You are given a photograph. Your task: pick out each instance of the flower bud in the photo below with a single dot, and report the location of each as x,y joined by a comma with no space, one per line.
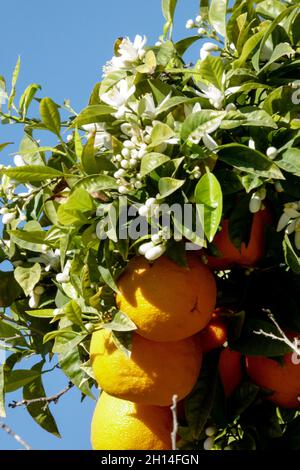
272,152
145,247
150,202
255,203
123,189
8,218
210,431
198,19
144,211
19,161
201,31
34,301
208,443
210,47
38,290
190,24
153,253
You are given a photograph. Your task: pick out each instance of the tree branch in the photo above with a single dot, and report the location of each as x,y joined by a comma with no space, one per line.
175,423
15,436
47,400
294,345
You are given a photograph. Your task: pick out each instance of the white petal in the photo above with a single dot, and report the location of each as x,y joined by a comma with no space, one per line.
209,142
154,253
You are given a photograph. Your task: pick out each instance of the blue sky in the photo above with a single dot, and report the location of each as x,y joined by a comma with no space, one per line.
63,45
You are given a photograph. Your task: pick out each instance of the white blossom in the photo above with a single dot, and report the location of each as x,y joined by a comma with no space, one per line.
118,97
64,276
212,93
19,161
102,138
50,259
129,53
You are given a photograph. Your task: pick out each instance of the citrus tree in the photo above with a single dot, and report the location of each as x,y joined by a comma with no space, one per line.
108,280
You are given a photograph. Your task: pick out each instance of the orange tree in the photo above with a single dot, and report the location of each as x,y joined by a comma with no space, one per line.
220,136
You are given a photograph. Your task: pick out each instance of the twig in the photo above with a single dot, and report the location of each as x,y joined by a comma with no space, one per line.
294,345
47,400
19,439
175,422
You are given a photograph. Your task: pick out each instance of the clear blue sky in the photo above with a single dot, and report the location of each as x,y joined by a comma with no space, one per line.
63,45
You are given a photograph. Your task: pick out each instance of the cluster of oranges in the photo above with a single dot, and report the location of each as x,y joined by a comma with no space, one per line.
173,308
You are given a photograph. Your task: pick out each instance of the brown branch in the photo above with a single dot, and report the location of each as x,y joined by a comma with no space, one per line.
47,400
15,436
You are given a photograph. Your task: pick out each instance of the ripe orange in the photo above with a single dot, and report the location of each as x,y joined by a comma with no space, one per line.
230,370
283,379
152,375
248,255
123,425
167,302
214,334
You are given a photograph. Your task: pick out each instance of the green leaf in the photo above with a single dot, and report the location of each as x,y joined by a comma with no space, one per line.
50,115
173,102
291,258
41,313
16,379
242,398
27,278
120,322
108,278
70,363
73,312
290,161
2,146
77,208
96,183
200,122
149,64
211,69
168,186
88,159
209,193
182,46
29,240
31,173
92,114
199,403
160,133
258,118
14,80
9,289
280,50
39,411
270,9
27,98
30,150
204,8
168,9
217,16
250,45
249,160
2,395
151,161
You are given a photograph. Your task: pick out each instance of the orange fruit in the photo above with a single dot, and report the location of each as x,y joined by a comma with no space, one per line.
282,379
248,255
167,302
123,425
214,334
152,375
230,370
